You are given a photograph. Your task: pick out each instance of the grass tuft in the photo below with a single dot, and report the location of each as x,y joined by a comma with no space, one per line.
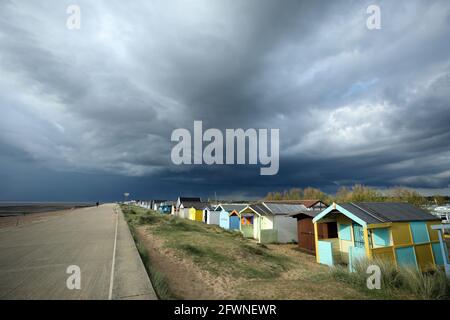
147,219
158,280
254,250
189,249
430,285
396,281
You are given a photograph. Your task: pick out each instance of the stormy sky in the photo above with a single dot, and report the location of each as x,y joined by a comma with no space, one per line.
88,114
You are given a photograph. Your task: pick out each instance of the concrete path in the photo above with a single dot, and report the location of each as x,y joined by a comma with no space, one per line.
34,258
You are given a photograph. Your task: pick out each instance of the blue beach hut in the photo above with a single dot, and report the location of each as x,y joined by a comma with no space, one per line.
229,215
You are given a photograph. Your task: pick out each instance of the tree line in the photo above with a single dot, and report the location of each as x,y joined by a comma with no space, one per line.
359,193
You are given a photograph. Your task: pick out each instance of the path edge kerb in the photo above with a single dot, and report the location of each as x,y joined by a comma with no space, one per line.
131,279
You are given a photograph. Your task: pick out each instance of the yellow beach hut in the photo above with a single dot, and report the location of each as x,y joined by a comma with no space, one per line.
393,231
183,204
196,211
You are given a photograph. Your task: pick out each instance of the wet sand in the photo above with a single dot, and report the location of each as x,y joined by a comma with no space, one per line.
21,208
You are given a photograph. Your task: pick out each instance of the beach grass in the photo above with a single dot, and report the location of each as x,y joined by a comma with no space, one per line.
396,282
211,247
261,271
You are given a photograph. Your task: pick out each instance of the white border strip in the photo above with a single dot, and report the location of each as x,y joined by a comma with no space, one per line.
111,280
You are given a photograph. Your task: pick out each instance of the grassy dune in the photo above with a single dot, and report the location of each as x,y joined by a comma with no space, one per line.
211,247
191,260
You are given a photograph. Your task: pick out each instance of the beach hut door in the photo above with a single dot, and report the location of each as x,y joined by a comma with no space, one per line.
255,227
358,235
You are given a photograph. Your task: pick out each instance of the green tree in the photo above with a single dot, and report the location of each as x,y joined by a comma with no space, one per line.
294,194
406,195
277,196
343,194
313,193
269,196
362,193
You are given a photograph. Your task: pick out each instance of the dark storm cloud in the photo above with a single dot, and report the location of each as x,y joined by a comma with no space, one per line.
100,103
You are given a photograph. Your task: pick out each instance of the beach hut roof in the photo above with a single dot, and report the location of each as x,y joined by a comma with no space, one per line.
196,205
190,199
307,203
308,213
379,212
284,208
260,209
310,203
207,206
232,206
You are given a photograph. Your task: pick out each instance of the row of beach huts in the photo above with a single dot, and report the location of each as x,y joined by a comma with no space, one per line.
336,234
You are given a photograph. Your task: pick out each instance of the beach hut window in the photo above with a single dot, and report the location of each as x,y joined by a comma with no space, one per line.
437,253
381,237
345,232
358,235
247,220
419,232
406,257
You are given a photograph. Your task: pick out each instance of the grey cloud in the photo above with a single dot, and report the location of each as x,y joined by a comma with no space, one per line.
352,105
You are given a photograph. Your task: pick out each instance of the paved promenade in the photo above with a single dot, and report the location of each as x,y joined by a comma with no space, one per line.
34,258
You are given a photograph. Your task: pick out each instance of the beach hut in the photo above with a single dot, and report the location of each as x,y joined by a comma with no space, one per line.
183,212
182,206
305,226
314,204
257,223
283,223
229,215
234,220
224,221
210,215
191,215
250,219
165,207
155,204
180,200
393,231
270,222
305,230
196,210
441,229
143,204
